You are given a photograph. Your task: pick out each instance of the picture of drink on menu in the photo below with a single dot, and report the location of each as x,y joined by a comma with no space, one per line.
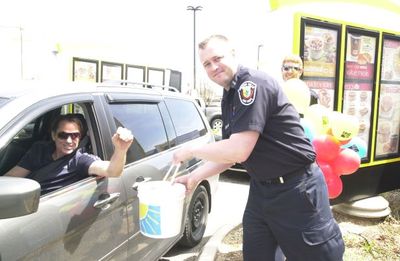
360,48
320,59
320,46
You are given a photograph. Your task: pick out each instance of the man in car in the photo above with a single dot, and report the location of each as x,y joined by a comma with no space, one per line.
288,202
60,162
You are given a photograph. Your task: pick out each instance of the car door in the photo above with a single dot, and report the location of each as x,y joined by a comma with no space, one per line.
84,221
148,159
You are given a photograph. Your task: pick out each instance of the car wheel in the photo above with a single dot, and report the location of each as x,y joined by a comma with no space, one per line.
196,219
216,125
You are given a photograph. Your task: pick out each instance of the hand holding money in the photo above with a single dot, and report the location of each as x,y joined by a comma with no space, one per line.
124,134
122,139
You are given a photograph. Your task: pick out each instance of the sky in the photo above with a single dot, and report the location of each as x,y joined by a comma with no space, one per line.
154,32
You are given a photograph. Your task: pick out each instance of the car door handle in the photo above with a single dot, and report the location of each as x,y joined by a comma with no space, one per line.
139,180
105,203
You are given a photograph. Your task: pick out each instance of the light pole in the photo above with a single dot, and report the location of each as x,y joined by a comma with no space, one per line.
194,9
258,54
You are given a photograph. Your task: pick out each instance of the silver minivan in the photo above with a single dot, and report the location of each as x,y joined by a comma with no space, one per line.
97,219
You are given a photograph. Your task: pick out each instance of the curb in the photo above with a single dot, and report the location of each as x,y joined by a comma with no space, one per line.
210,249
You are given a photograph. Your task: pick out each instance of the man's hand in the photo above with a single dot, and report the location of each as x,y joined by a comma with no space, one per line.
188,180
122,139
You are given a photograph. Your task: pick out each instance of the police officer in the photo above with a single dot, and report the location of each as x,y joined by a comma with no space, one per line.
288,202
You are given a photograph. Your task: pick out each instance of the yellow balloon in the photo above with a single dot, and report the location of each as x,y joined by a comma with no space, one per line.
298,94
319,118
344,127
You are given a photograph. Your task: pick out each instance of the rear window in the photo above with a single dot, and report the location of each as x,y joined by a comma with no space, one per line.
146,124
186,119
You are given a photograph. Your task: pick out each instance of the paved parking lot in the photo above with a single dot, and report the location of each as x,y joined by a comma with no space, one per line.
227,208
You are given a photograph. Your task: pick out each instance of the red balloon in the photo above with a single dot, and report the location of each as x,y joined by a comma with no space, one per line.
325,168
333,182
347,162
326,147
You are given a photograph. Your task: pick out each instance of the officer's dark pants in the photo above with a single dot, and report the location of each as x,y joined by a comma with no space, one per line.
294,215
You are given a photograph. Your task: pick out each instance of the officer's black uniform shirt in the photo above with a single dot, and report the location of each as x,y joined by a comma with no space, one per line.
256,102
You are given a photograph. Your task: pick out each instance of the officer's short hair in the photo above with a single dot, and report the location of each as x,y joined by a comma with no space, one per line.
203,44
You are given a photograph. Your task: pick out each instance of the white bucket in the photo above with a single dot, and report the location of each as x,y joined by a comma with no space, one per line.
160,208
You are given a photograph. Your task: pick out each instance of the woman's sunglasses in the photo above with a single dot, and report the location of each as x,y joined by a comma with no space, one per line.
64,135
287,68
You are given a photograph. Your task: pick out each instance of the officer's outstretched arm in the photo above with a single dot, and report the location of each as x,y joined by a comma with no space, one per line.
235,149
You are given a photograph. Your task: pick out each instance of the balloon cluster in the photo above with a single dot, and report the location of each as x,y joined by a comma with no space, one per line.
333,134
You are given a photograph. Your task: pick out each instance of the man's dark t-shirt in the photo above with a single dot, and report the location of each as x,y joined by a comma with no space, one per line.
66,171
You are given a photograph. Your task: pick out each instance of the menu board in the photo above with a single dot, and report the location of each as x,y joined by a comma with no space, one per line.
359,79
320,60
387,142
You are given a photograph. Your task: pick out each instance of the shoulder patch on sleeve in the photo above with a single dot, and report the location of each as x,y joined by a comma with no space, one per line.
247,92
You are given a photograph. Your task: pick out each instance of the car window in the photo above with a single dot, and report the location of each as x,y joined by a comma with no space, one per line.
38,130
26,132
186,118
169,127
146,124
19,145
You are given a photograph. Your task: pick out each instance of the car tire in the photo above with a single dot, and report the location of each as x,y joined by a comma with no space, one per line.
216,124
196,219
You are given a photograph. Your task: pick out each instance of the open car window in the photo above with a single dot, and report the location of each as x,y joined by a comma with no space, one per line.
39,130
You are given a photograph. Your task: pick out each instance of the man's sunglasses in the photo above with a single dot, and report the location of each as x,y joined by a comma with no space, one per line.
64,135
287,68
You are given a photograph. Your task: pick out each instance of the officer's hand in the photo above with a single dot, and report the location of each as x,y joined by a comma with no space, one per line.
188,180
182,155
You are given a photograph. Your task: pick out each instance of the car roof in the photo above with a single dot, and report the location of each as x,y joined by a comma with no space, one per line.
17,94
19,88
47,88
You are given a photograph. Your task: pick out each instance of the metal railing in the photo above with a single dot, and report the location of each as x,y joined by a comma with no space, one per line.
129,84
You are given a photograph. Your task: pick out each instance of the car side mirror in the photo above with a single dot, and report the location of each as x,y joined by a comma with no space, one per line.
18,197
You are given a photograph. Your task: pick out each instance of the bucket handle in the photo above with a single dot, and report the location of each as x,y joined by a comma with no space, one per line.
170,170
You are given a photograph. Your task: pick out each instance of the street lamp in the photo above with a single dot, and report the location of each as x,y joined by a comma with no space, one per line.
194,9
258,54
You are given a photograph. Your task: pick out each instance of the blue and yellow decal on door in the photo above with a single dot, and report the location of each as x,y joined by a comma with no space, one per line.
150,219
